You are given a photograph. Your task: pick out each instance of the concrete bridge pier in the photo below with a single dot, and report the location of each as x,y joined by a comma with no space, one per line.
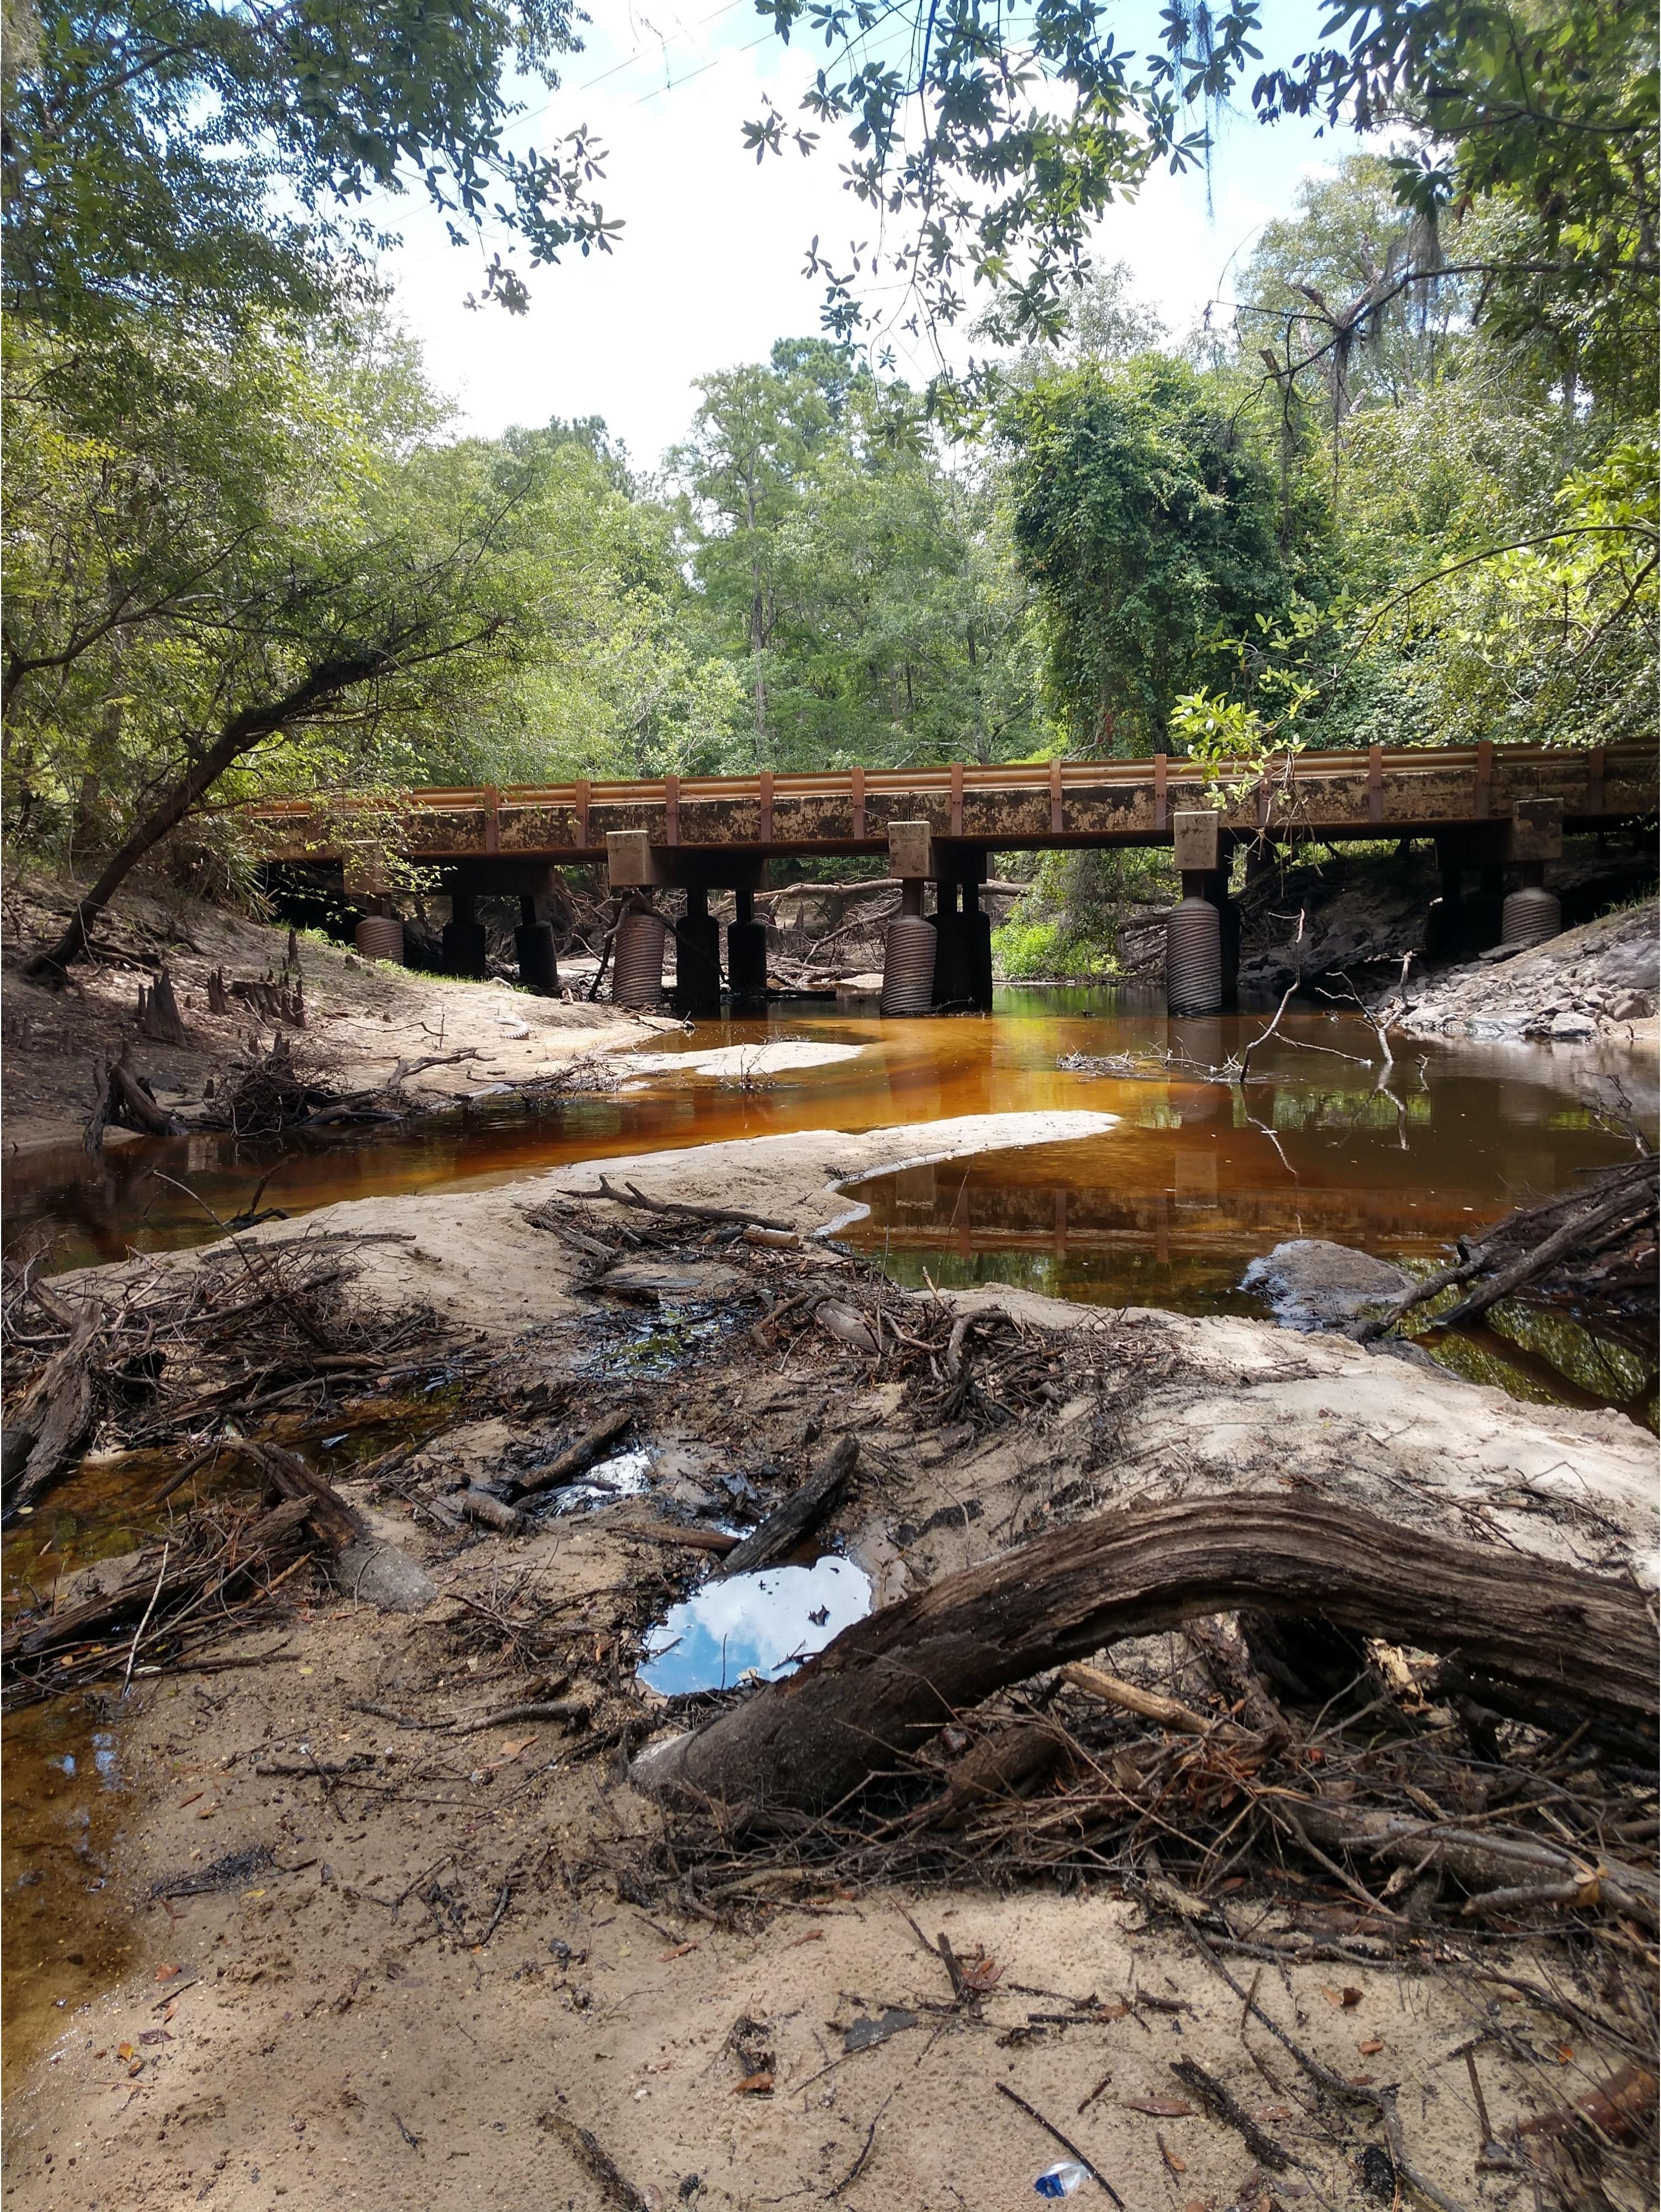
698,959
747,953
533,941
1531,914
963,964
1445,924
952,981
466,946
912,946
634,864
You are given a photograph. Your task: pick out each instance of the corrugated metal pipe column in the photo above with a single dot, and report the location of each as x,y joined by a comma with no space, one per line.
380,937
908,955
1193,951
638,979
1531,914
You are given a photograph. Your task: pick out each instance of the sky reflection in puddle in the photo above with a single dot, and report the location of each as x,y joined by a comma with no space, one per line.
755,1624
625,1476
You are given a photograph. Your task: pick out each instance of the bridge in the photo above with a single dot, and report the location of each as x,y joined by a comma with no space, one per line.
1489,808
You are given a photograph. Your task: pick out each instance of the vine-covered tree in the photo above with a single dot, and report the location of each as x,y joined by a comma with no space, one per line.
1151,530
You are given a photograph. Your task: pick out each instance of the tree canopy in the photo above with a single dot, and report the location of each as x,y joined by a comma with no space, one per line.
1402,487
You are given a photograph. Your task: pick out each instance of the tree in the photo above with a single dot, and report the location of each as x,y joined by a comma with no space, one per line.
988,141
236,589
864,590
1149,529
1494,552
190,157
755,431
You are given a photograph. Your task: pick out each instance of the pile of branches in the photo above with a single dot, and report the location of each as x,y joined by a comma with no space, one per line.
1590,1253
163,1359
985,1369
1347,1808
1305,1772
220,1571
266,1093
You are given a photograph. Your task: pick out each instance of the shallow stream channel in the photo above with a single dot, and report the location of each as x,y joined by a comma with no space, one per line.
1168,1207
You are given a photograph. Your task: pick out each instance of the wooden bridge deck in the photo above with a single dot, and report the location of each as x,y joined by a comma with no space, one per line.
697,821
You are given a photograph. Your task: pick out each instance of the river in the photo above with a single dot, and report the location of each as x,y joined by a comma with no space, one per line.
1197,1179
1166,1209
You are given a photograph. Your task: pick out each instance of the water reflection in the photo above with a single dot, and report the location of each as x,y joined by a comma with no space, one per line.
66,1930
626,1475
752,1625
1325,1145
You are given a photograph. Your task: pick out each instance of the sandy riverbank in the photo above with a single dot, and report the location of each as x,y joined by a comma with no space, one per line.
363,1018
458,1940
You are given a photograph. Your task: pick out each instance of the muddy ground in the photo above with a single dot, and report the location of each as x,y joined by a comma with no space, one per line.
363,1018
387,1983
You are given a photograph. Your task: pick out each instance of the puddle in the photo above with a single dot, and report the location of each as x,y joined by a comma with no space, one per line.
66,1928
660,1342
756,1625
625,1476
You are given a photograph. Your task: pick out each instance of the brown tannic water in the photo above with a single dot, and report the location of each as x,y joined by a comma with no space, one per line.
1166,1209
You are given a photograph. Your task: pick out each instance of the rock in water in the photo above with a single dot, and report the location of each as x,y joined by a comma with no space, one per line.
1311,1284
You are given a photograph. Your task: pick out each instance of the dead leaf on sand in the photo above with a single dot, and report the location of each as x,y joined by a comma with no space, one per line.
1160,2108
753,2085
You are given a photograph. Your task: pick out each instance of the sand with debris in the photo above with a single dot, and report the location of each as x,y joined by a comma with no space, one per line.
417,1967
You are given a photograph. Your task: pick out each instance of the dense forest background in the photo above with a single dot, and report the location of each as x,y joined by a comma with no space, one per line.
1400,489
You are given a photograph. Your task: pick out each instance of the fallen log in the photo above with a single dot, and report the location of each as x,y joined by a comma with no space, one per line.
574,1458
800,1514
479,1505
55,1414
693,1540
888,1682
335,1521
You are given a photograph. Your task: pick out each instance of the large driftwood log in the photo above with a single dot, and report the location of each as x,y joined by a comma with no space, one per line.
887,1683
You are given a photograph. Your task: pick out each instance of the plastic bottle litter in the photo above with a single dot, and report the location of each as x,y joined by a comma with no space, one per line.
1063,2178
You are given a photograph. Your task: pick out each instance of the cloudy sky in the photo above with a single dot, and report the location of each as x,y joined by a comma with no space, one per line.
709,270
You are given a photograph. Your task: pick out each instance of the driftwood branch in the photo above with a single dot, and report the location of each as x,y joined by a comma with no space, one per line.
631,1194
575,1457
1526,1245
888,1683
801,1514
